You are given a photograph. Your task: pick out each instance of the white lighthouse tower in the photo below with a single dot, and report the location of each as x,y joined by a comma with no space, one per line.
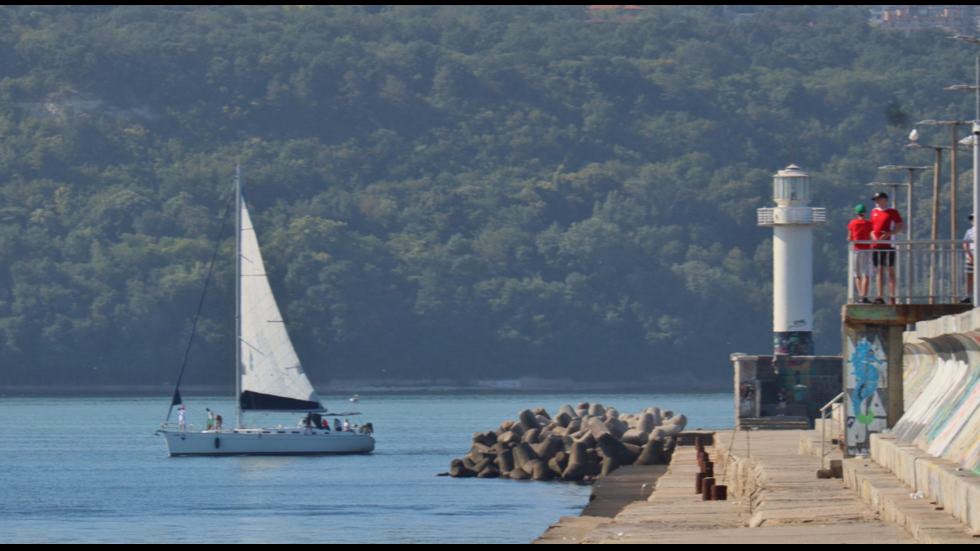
792,221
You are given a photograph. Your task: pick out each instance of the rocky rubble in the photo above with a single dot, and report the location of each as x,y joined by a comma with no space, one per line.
578,444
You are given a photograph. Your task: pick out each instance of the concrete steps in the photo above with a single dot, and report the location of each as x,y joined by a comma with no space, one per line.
890,498
774,423
943,482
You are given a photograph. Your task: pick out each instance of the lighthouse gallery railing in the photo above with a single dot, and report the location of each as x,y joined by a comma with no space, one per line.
927,272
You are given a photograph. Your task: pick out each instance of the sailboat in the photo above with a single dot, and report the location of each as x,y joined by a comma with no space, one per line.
268,373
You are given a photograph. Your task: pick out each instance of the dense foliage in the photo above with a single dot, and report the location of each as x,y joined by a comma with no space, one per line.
441,191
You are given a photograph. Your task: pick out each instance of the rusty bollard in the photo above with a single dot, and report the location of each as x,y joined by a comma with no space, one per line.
706,485
698,444
719,493
709,470
699,480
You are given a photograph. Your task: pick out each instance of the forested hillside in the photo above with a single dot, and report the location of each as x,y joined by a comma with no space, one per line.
440,191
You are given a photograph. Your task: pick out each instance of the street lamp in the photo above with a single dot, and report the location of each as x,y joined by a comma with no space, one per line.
937,176
976,150
953,165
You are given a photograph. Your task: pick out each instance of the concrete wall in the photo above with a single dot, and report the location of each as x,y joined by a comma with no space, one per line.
758,380
874,361
942,389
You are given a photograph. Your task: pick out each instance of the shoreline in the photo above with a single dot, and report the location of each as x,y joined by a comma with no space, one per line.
147,391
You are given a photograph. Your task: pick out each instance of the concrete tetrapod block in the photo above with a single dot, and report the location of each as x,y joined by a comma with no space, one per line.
540,470
489,472
574,426
596,410
645,423
482,465
569,410
578,464
541,412
458,470
670,444
532,436
563,419
658,417
529,421
679,421
652,454
597,428
505,462
616,427
636,437
519,474
614,449
524,453
612,413
609,465
547,449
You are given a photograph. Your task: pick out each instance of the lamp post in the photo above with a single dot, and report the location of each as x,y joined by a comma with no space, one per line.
976,149
935,197
953,164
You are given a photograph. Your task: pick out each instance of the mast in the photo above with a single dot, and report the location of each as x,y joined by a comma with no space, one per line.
238,296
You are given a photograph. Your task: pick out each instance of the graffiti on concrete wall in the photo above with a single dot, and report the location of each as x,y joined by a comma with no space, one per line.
794,343
866,365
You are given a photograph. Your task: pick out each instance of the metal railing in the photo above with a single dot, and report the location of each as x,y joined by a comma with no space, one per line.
926,272
838,401
792,216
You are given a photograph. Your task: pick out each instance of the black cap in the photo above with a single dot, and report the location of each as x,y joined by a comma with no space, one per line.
880,195
970,218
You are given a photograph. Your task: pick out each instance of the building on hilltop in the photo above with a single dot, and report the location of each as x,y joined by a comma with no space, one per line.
912,18
613,14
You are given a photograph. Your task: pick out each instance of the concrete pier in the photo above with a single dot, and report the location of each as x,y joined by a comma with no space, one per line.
775,497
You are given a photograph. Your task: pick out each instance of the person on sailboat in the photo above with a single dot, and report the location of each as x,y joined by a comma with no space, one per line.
210,418
336,425
347,425
217,423
182,418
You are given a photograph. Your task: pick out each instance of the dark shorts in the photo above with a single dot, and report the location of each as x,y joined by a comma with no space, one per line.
884,258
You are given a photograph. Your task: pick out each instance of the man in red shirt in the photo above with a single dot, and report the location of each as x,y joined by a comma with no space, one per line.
886,223
860,229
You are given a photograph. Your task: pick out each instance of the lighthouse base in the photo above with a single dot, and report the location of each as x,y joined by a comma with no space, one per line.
793,343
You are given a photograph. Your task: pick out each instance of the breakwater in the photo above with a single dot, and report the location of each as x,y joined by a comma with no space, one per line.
578,444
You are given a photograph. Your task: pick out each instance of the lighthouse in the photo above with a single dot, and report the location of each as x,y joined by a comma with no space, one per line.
792,221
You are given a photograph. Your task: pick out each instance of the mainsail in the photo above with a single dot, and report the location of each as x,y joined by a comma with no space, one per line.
272,377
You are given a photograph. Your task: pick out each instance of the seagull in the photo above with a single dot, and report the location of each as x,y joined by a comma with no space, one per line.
914,136
967,140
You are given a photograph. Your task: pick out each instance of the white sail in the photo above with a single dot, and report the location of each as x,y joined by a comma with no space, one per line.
272,376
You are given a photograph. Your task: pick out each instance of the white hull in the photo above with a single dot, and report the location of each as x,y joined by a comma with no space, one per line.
267,442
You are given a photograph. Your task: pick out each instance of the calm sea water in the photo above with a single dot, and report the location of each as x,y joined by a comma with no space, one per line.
91,470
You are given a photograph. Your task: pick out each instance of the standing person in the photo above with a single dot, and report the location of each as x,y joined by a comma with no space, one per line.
217,423
886,223
336,425
182,418
210,418
346,425
971,251
860,229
